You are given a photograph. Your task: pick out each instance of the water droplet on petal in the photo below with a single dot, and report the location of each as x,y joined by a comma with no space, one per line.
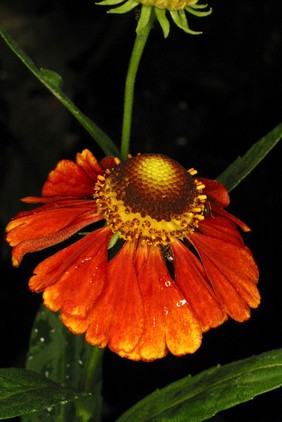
86,259
181,303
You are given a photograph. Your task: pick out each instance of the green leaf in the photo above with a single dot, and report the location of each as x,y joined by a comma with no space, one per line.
242,166
23,392
68,360
200,397
52,81
51,77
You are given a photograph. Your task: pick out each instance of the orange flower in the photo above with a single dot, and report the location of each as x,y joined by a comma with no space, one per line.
181,266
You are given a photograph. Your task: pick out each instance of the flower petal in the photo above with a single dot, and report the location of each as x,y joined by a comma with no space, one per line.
108,163
192,282
220,211
169,322
73,278
215,192
48,225
117,318
73,179
221,228
232,273
89,164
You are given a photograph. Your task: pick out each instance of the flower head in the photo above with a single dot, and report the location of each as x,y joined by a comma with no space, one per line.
157,9
181,268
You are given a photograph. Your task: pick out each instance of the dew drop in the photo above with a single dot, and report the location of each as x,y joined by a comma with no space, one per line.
80,362
181,303
86,259
167,283
42,339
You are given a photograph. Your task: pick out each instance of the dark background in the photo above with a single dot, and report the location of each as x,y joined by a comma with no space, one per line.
203,100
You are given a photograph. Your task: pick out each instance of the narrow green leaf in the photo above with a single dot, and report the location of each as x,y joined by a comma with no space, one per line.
68,360
198,398
51,77
23,392
242,166
52,81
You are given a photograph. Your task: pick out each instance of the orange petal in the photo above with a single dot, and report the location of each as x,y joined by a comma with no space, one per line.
169,322
232,273
117,318
89,164
73,179
73,278
215,192
231,217
48,225
192,282
108,162
221,228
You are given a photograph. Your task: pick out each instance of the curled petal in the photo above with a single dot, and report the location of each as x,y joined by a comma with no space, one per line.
216,192
192,282
48,225
118,317
87,162
73,179
232,273
169,323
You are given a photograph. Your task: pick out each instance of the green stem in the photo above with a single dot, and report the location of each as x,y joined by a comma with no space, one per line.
89,408
140,42
93,370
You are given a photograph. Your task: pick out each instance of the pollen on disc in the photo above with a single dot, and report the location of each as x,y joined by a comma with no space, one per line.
154,185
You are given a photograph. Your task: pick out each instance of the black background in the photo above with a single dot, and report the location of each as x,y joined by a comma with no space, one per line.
203,100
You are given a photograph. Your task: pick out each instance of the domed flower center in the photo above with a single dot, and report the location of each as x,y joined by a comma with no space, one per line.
169,4
151,197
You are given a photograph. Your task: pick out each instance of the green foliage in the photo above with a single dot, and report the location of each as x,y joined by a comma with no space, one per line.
53,82
198,398
242,166
52,77
62,379
23,392
69,361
